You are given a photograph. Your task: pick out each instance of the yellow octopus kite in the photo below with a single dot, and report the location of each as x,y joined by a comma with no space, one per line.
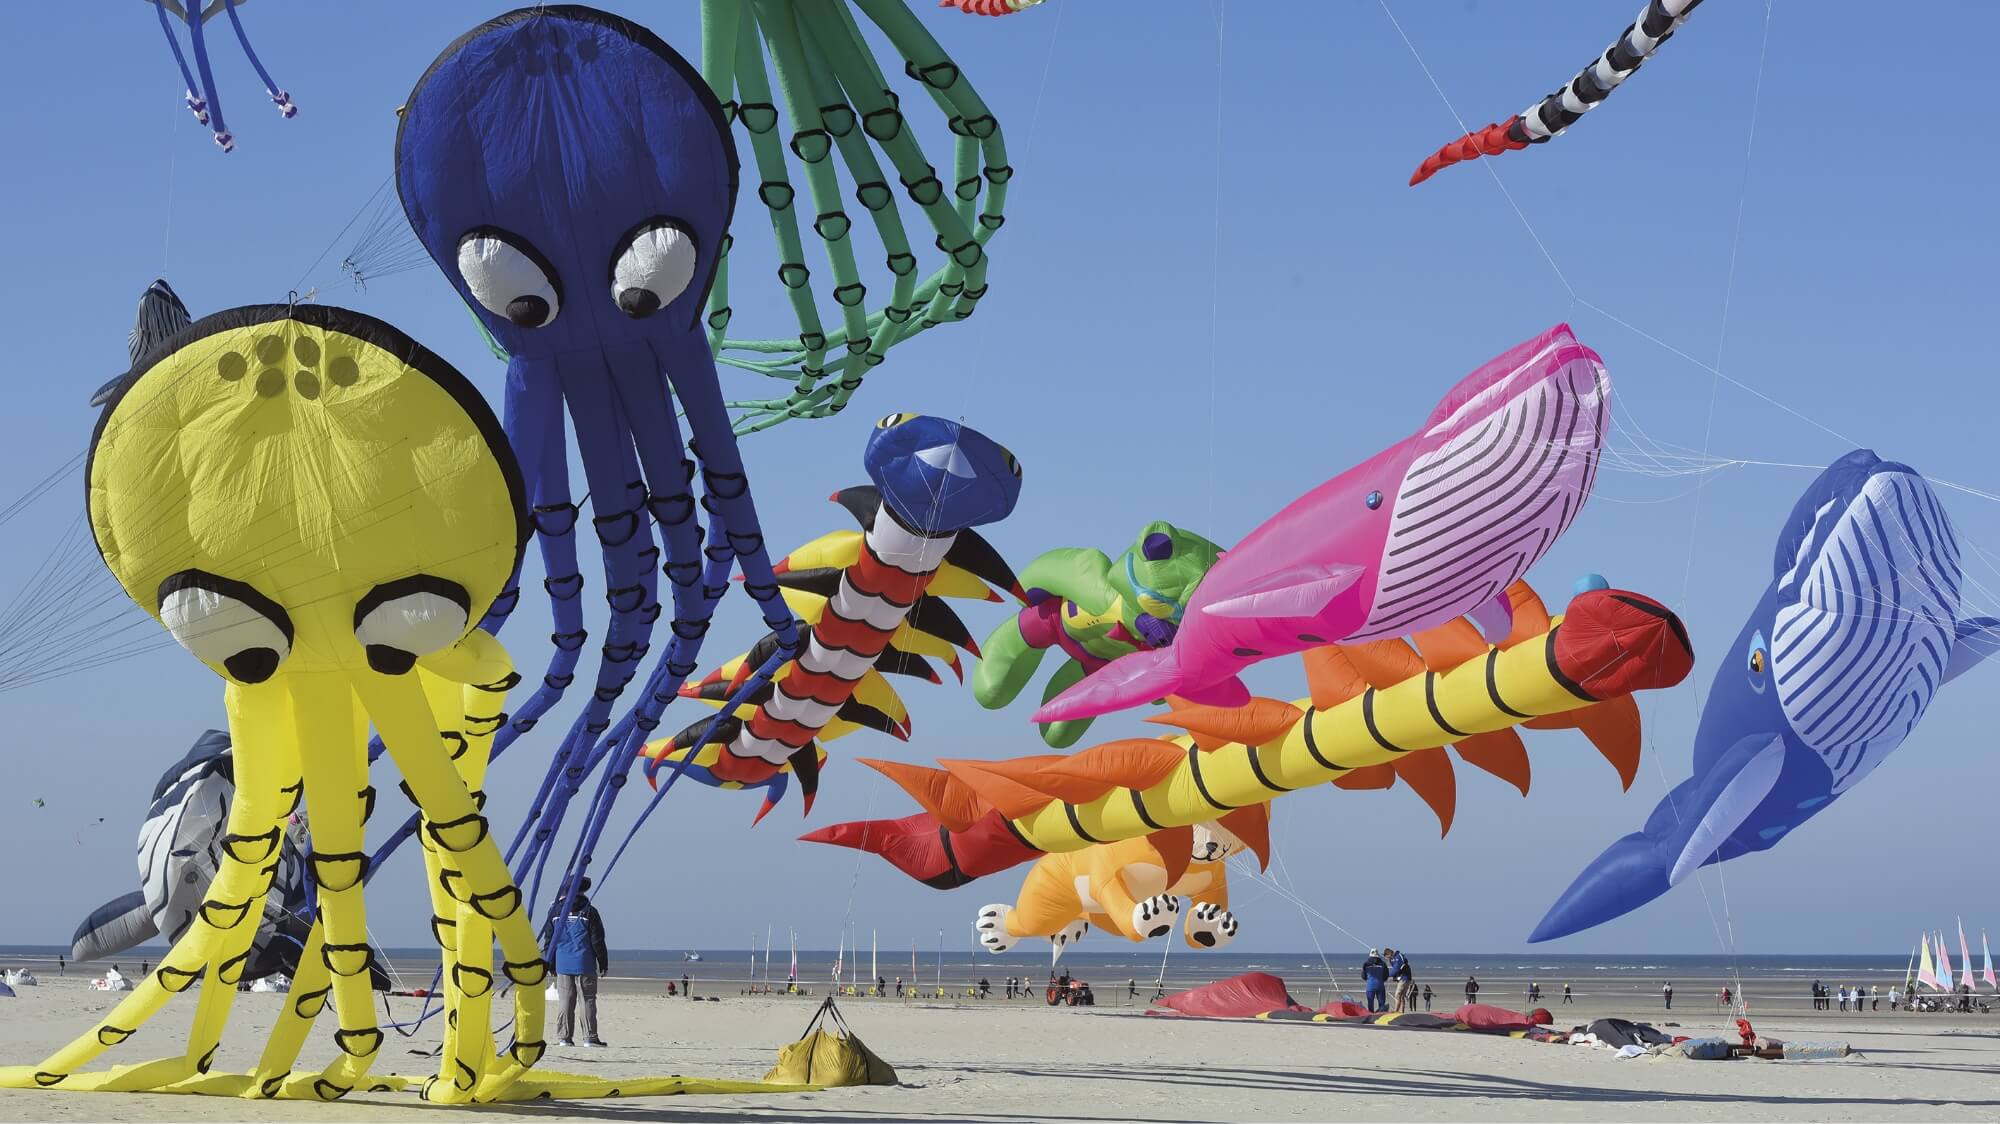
320,509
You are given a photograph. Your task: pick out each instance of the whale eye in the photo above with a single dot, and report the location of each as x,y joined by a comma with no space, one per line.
1758,660
1013,466
227,624
1373,500
509,277
398,621
654,265
894,420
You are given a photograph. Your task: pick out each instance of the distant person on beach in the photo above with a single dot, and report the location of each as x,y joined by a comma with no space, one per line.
899,986
145,966
1725,995
1132,989
1427,997
581,956
1818,994
1895,996
1667,992
1375,979
1471,989
985,988
1566,995
62,965
1534,993
1874,999
687,985
881,986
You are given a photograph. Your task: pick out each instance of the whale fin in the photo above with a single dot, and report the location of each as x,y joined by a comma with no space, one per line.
1684,831
1128,681
1978,639
1733,805
1294,594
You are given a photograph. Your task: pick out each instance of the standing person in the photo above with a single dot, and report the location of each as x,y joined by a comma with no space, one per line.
881,986
1895,996
1427,997
1725,996
1471,989
1874,999
1667,991
62,965
687,985
1566,994
581,956
1404,980
985,988
1534,992
145,968
899,987
1375,979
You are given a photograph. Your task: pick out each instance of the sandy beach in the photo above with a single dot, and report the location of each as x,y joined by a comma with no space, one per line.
996,1061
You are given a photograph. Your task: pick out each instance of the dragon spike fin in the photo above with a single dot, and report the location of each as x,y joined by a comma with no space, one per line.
763,811
1331,678
805,763
1385,663
972,553
1003,784
1612,726
1367,777
1429,773
1253,826
957,669
1135,763
1455,642
947,798
1499,753
1176,848
1531,617
861,501
1254,723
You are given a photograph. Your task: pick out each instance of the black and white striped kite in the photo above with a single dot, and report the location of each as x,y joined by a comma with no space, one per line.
1550,116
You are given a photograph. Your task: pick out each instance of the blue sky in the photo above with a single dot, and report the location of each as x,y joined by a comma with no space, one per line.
1213,292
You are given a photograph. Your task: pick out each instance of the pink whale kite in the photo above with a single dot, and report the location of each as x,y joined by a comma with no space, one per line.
1436,526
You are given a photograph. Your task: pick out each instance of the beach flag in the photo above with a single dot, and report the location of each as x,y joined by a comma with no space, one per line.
1926,968
1944,965
1986,954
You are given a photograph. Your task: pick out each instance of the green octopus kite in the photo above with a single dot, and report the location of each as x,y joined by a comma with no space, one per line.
1095,609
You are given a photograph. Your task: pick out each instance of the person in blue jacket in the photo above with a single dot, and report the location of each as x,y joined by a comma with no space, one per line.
580,958
1375,975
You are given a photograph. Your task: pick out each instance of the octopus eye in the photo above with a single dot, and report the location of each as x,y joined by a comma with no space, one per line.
509,277
226,624
399,621
654,265
891,421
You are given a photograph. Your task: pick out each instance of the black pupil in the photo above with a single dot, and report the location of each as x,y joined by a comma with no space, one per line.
528,312
252,665
638,302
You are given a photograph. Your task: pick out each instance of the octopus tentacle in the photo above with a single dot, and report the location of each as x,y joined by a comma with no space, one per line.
471,869
332,749
216,942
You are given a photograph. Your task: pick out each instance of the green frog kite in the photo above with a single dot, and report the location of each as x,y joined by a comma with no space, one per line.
1095,609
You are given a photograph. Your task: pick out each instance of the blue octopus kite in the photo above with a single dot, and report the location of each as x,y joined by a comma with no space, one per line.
574,178
202,99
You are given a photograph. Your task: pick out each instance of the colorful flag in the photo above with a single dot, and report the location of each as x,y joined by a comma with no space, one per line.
1986,954
1926,968
1965,975
1945,980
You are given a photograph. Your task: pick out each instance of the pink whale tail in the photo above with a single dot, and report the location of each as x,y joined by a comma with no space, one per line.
1135,680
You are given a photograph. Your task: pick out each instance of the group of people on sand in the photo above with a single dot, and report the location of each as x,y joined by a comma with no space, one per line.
1386,970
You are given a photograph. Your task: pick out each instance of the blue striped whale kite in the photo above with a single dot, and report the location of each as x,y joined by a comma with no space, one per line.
1833,670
